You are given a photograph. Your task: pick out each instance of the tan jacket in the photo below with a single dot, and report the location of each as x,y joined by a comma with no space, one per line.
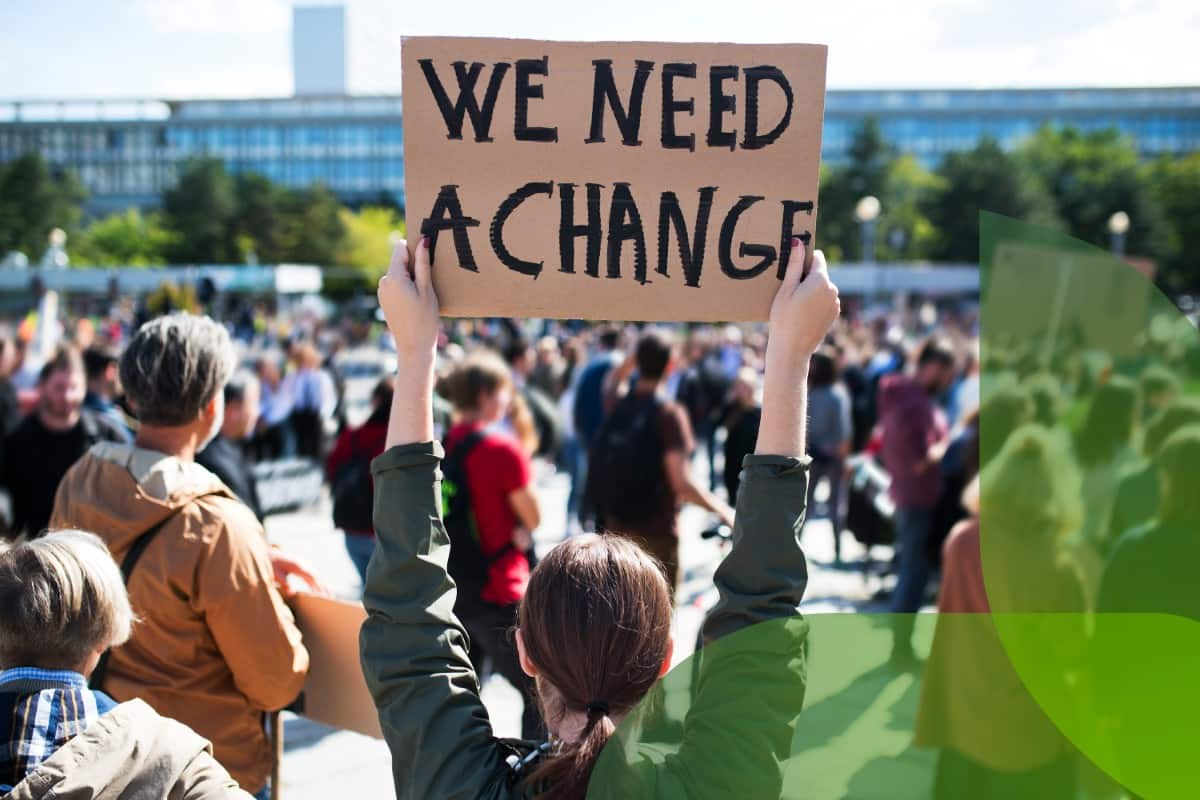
131,752
216,645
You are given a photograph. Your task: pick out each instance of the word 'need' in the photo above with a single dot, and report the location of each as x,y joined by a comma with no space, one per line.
625,109
624,226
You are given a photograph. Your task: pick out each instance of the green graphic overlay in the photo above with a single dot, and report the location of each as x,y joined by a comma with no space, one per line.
1077,678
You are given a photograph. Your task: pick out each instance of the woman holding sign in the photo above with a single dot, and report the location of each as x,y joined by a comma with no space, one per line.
594,624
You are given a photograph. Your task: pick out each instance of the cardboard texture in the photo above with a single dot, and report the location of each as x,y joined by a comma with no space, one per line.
570,180
335,692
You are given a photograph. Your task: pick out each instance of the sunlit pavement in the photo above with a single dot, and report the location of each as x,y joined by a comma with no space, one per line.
320,762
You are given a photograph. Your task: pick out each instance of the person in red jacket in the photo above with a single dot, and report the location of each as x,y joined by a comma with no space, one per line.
353,453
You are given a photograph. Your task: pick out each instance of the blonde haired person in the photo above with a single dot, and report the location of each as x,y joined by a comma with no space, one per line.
64,605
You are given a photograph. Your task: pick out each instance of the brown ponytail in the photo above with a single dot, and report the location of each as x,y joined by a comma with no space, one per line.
596,622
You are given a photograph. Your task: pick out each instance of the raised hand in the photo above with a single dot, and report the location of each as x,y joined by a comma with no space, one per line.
805,307
411,310
409,304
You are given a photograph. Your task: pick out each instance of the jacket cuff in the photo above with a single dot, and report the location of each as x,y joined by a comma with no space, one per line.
776,466
406,456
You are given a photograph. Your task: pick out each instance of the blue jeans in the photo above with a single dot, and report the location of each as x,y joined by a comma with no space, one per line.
360,547
912,535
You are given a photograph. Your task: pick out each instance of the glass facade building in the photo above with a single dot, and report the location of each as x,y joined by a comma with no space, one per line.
128,152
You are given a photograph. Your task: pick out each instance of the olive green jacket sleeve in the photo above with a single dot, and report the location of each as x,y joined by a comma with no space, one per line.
413,648
765,574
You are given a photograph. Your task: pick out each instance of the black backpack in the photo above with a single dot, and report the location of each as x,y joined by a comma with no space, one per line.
625,479
468,566
353,492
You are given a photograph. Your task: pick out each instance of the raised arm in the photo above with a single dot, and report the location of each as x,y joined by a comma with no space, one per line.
765,573
414,650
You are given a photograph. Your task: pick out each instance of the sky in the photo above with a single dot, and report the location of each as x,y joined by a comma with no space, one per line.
242,48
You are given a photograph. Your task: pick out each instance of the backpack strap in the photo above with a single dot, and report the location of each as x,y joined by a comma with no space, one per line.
458,458
132,556
463,449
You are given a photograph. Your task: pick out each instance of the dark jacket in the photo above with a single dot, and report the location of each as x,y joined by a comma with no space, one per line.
415,652
228,461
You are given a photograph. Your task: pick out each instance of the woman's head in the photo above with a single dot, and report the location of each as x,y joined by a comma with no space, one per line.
480,386
1110,421
1176,461
1031,487
64,602
594,630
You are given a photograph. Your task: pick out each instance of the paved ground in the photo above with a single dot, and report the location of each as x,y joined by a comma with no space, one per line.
321,762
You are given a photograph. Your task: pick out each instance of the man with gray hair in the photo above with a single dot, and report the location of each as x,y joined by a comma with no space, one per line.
218,646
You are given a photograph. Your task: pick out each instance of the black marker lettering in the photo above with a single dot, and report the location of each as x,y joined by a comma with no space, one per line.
691,254
719,104
467,104
568,231
765,252
619,231
496,234
752,140
604,88
447,215
526,91
670,106
790,209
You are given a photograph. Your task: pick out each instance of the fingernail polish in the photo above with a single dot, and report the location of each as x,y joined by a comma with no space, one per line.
425,242
795,241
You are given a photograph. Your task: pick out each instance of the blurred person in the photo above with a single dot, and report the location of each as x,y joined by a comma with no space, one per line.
587,415
995,739
547,435
38,453
103,386
1104,447
226,456
1158,386
10,405
314,401
594,626
829,439
741,422
638,474
348,470
1139,488
910,425
1152,567
275,437
65,605
496,473
548,369
219,646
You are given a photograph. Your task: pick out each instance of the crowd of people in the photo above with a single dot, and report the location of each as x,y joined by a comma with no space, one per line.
146,437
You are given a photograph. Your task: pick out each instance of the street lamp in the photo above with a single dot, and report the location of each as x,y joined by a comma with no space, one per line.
1118,226
866,212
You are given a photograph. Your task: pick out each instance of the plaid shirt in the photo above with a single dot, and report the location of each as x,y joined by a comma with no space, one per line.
41,710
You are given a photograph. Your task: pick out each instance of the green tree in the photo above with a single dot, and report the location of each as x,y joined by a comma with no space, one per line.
128,238
1093,174
35,199
866,173
983,178
202,209
1177,186
313,231
261,222
367,246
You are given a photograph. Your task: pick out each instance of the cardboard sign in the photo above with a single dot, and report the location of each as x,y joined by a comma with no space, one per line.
639,181
335,692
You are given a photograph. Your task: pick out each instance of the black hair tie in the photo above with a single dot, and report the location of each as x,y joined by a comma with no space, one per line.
597,708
